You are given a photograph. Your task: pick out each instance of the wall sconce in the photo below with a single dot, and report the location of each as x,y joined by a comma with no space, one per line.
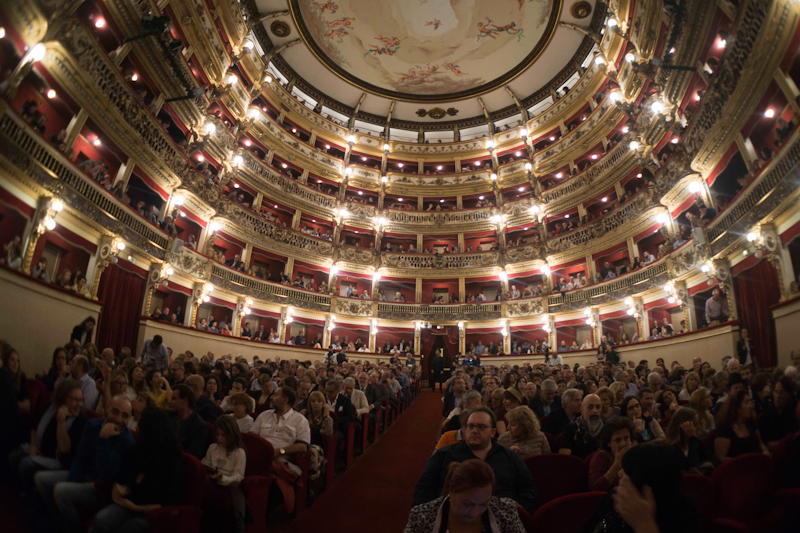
504,329
374,329
546,320
376,276
490,145
351,139
289,318
460,325
48,220
203,294
332,322
523,133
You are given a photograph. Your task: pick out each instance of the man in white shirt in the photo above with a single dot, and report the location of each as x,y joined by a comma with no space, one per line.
286,429
357,397
515,292
79,368
154,350
555,359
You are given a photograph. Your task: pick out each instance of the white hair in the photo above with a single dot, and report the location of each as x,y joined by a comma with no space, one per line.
790,371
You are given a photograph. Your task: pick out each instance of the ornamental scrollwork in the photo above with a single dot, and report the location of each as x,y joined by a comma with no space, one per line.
190,263
355,255
354,308
524,308
530,252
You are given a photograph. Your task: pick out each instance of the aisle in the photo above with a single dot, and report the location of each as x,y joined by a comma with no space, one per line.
376,493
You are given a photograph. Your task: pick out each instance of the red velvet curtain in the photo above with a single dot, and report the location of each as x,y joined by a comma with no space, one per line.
757,289
122,294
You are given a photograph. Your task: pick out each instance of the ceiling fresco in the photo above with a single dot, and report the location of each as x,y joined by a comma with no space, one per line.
427,50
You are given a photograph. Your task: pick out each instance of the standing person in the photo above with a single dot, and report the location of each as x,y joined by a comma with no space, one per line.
83,332
744,347
225,462
154,350
437,367
155,478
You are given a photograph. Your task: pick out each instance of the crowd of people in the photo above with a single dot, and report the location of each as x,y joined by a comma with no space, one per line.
628,422
67,280
124,418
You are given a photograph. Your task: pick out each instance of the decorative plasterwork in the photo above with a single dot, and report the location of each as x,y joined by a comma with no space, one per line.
198,27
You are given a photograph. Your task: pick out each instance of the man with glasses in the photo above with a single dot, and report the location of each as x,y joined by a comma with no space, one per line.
513,478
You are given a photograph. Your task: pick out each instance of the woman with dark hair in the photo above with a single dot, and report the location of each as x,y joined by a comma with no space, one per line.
682,434
646,429
466,504
160,390
649,497
737,433
156,478
668,401
511,399
780,420
11,363
139,404
213,388
59,369
136,379
761,388
56,436
615,439
83,332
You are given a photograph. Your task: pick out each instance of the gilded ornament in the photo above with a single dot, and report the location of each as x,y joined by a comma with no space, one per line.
280,29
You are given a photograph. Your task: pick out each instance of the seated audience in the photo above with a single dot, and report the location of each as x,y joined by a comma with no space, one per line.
615,440
225,462
557,421
524,435
321,426
467,503
579,438
701,401
241,407
682,434
154,479
513,478
646,428
12,364
160,390
737,433
204,406
192,431
780,420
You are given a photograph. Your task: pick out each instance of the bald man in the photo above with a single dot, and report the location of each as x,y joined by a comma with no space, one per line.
580,436
203,406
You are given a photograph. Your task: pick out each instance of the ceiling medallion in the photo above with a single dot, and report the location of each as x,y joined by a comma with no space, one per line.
437,112
581,10
280,29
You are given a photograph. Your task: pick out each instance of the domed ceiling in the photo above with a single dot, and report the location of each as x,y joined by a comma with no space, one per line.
426,50
403,56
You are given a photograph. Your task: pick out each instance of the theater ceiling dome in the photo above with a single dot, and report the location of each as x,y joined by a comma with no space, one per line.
419,52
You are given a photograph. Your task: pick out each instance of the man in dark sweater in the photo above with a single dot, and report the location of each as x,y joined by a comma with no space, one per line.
192,431
571,407
513,478
203,406
102,454
580,436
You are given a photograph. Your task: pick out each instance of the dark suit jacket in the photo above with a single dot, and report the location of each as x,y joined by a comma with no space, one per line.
376,395
77,333
206,408
742,351
192,434
449,402
438,364
556,422
537,405
344,410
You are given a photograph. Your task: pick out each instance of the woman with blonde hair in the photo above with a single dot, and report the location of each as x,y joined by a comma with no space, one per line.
701,401
691,384
524,436
607,409
311,374
321,424
618,390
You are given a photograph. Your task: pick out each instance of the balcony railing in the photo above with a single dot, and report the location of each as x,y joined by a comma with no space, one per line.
417,261
51,170
448,312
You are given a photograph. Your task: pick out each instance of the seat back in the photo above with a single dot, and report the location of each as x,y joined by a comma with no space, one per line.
551,440
195,475
36,394
700,489
556,475
212,434
567,514
743,486
259,455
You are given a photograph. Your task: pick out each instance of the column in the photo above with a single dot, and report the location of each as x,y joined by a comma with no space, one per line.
552,338
326,333
420,242
248,251
789,89
462,338
74,128
747,150
257,202
506,337
418,291
633,250
620,190
195,300
420,203
373,335
303,177
591,271
332,280
597,327
722,273
642,320
296,219
283,322
689,313
460,202
239,316
375,286
34,229
461,239
105,256
417,341
124,173
462,290
289,267
581,212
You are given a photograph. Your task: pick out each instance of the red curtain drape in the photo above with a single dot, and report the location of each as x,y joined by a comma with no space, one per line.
757,289
122,294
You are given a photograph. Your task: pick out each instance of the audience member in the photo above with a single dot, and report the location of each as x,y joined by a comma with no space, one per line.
191,430
614,441
225,463
524,435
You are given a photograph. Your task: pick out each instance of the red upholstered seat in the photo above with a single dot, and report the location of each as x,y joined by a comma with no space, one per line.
556,475
185,518
566,514
742,487
780,458
700,490
91,414
551,440
37,394
212,435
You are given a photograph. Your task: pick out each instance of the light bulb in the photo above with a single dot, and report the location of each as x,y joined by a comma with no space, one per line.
493,177
351,139
496,218
671,299
656,106
170,271
235,185
384,179
178,200
534,209
247,310
100,23
97,142
629,301
625,129
200,158
630,312
705,268
489,144
214,227
528,167
38,51
57,205
587,312
769,113
439,167
599,61
552,138
51,94
634,145
232,79
249,44
238,160
615,96
120,246
612,22
49,223
503,276
247,142
661,218
751,237
566,216
559,175
267,80
211,128
460,325
545,269
2,32
604,199
343,212
630,57
385,147
383,221
523,133
134,77
694,187
206,298
334,270
521,189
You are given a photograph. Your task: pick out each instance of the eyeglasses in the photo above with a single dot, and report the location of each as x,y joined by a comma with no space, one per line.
479,427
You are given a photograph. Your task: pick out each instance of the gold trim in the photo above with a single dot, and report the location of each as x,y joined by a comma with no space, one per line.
506,78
